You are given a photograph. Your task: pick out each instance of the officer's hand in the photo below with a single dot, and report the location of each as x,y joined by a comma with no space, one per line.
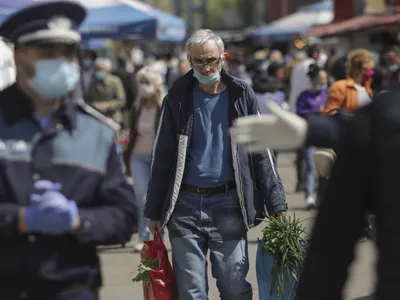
43,185
281,130
154,226
51,213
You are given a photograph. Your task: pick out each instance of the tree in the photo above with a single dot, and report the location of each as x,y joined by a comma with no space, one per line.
217,7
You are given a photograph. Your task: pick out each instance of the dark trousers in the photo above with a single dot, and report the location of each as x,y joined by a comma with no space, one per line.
299,162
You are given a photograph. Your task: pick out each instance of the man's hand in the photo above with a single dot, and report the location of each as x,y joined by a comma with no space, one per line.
279,214
154,226
281,130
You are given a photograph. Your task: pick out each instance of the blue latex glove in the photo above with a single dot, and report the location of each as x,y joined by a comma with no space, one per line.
50,213
46,185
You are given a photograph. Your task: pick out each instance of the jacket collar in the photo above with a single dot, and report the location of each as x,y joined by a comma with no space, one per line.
351,83
17,106
234,85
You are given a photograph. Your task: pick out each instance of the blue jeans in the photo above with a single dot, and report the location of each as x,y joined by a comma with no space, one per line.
140,168
310,170
209,223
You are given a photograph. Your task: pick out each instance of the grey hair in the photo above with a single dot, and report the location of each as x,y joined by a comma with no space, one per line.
202,36
102,61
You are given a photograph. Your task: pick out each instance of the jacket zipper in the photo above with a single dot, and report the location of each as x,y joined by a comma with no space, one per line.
240,189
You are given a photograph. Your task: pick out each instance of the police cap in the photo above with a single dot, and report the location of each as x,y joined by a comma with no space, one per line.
49,22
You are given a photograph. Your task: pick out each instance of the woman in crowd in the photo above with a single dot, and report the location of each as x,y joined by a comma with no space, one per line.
143,127
311,102
355,91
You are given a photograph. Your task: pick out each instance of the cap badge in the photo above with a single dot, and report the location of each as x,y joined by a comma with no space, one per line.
59,23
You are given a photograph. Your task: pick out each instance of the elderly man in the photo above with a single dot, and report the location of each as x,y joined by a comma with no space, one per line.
106,91
207,191
62,190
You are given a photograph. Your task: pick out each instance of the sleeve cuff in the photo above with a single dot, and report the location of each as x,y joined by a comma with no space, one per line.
280,207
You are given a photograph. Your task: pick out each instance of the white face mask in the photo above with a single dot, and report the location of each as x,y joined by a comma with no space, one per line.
209,79
146,90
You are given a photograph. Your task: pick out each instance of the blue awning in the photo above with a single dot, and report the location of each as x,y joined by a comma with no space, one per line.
113,19
7,7
116,19
324,5
285,28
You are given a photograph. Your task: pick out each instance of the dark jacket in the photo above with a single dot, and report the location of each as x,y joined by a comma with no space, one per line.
130,85
364,178
263,83
77,150
327,132
136,111
258,182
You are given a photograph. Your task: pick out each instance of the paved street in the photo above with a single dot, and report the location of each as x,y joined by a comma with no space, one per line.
119,265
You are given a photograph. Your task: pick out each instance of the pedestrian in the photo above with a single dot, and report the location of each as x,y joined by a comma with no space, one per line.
106,91
310,102
62,189
206,190
355,91
142,131
299,82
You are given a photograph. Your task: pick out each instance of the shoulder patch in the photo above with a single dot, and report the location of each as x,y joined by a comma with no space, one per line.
99,116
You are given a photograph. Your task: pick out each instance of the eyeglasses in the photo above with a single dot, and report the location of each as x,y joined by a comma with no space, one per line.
211,64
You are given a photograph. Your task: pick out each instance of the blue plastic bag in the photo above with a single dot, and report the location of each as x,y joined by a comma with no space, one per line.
264,265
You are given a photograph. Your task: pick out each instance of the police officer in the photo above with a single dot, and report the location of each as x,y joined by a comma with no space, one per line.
62,190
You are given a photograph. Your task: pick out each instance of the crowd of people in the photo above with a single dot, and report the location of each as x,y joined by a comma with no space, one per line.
64,190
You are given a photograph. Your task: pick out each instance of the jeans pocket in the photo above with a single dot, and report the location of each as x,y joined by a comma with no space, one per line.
234,196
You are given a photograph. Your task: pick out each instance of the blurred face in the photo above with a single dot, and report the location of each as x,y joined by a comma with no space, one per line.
101,68
321,79
316,55
368,68
280,74
184,67
146,89
391,57
206,58
26,57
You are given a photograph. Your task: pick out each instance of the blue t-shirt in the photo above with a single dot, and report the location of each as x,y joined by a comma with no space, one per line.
44,120
209,160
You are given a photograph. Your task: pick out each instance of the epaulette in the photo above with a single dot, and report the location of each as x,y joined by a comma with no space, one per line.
99,116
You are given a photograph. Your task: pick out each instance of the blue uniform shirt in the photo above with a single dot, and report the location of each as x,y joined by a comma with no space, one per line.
77,150
209,161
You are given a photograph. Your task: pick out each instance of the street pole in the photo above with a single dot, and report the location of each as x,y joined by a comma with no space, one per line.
177,7
189,16
204,7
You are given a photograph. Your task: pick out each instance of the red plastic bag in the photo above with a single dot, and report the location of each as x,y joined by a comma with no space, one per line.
162,281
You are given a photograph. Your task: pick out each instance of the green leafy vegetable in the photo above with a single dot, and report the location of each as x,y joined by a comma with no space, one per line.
143,269
284,240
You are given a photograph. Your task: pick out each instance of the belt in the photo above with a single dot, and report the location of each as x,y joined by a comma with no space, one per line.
210,191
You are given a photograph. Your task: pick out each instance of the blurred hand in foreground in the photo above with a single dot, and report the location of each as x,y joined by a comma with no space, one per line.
280,130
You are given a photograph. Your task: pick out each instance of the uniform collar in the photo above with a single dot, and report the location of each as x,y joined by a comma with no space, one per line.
17,106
